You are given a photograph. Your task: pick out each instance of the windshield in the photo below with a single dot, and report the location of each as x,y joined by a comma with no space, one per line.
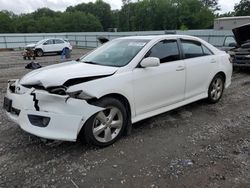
41,41
117,53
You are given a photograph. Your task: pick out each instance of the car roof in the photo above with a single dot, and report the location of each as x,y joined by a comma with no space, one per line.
53,38
152,37
46,39
167,36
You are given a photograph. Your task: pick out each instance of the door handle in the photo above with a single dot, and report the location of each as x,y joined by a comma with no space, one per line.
180,68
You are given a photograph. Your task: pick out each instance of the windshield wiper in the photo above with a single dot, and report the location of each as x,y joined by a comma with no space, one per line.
90,62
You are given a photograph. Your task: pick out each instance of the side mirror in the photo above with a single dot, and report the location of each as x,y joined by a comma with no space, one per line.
150,62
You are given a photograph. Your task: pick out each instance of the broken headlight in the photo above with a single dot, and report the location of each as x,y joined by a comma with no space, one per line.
60,90
80,95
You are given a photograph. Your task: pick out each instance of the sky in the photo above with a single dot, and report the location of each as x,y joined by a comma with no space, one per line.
27,6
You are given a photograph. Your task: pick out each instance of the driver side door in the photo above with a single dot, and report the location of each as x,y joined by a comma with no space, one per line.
158,87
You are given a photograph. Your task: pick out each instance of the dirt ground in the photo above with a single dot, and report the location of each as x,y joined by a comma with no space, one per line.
198,145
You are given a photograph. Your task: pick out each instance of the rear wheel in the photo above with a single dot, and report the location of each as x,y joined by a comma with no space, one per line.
106,126
216,89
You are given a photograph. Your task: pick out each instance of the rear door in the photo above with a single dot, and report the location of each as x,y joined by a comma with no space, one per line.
200,67
59,45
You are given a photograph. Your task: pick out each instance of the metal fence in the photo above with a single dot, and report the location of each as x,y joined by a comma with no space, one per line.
89,39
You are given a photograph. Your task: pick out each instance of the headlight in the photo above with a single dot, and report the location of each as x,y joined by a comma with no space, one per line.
60,90
80,95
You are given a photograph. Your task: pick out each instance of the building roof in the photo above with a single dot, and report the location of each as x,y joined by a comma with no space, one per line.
233,18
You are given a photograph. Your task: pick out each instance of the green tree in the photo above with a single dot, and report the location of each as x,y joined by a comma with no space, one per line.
99,9
212,4
79,22
6,22
142,15
227,14
243,8
194,15
42,12
25,24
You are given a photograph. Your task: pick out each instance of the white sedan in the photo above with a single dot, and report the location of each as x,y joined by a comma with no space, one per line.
126,80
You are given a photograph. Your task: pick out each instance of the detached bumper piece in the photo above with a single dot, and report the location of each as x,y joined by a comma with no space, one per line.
58,117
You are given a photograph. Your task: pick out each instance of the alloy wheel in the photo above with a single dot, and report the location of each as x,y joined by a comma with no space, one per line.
217,88
107,124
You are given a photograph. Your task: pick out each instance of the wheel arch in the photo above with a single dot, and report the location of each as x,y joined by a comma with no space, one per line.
126,104
122,99
222,74
38,49
218,73
128,108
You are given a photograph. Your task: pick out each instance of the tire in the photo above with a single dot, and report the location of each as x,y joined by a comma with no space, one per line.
216,89
39,53
98,130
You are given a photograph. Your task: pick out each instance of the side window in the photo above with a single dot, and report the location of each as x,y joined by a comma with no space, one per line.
206,51
191,49
57,41
166,51
229,41
48,42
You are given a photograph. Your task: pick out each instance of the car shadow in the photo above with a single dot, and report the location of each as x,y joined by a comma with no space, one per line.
51,54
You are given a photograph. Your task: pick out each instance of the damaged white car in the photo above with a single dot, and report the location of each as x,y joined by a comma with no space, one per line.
126,80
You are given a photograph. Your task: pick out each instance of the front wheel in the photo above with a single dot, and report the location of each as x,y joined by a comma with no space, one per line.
216,89
39,53
106,126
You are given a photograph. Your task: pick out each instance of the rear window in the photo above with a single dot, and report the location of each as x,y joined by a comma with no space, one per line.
57,41
191,49
194,49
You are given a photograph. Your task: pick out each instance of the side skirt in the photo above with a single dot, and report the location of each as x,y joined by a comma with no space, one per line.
168,108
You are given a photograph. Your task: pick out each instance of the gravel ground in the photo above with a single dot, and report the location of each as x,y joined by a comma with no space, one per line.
198,145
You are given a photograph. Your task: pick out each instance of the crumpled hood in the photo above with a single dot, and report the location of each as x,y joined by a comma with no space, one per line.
57,75
30,45
242,34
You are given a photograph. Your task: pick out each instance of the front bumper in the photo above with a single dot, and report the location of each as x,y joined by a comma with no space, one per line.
67,115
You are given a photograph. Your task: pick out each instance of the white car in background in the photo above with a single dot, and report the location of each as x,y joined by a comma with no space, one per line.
122,82
51,45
